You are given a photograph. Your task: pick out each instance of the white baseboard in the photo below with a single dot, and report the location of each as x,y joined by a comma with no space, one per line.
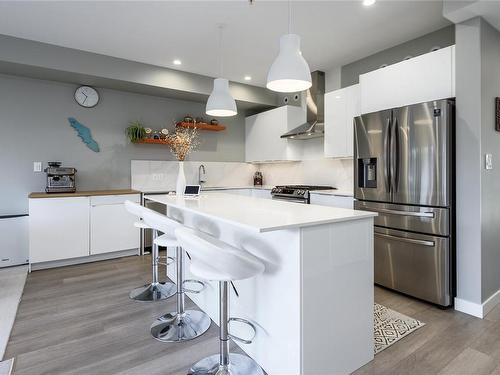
479,310
87,259
491,302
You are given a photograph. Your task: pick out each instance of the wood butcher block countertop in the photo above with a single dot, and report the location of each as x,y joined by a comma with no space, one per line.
88,193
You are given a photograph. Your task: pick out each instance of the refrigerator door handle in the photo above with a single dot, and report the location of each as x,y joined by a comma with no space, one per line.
396,158
387,166
405,213
404,239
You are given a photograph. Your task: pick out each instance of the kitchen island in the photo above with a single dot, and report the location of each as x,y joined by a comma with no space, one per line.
313,305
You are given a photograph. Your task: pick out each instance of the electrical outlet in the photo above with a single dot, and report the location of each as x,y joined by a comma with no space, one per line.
488,159
37,166
158,176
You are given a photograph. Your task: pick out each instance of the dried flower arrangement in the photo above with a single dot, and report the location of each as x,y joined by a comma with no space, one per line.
183,142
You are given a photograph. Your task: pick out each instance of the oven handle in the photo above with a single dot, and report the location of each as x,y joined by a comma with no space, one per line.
282,198
404,239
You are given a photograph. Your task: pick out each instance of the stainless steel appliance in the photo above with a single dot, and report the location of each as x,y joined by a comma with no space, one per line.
296,193
404,171
60,179
315,111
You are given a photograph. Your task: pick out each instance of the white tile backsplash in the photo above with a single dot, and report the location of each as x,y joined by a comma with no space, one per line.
151,176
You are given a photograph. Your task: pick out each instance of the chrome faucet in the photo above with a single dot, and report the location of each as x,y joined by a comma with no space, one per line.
200,179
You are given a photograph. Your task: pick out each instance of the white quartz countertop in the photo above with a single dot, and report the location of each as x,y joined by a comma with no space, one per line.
258,214
337,192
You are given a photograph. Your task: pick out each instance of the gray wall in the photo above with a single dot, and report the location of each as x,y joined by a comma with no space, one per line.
34,127
443,37
490,143
468,160
478,200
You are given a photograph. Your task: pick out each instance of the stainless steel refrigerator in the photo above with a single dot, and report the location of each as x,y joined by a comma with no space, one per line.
404,171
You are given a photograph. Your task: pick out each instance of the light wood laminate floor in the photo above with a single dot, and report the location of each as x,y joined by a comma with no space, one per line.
79,320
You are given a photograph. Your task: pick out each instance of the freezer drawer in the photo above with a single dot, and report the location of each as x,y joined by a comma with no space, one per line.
420,219
413,264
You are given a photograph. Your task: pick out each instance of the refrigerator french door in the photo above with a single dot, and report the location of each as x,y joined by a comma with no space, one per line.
403,161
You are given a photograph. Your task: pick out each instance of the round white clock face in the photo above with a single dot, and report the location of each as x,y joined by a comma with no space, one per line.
86,96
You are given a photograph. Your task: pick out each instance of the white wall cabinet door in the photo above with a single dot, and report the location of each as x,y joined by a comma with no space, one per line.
263,131
111,225
341,106
59,228
420,79
332,200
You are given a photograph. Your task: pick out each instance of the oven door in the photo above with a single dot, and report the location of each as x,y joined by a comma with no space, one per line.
414,264
290,199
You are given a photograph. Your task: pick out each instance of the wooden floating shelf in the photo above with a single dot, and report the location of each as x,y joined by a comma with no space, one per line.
201,126
155,141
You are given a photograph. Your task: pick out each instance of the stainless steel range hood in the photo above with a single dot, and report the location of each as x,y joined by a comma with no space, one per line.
314,127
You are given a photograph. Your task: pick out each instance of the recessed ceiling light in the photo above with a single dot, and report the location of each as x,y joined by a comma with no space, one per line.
248,78
367,3
177,62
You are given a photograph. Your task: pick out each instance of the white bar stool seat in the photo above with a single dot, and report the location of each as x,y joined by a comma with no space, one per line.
216,260
156,290
181,325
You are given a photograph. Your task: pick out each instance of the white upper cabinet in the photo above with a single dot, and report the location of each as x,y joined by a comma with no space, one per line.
341,106
420,79
263,131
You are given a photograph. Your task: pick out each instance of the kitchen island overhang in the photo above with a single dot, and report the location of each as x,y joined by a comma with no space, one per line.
313,305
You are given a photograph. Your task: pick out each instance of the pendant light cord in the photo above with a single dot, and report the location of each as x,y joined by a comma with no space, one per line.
289,16
221,66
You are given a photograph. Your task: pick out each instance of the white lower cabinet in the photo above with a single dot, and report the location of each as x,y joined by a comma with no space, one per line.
59,228
111,226
332,200
76,227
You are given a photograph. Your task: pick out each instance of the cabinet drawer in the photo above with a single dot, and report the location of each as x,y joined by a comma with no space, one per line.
114,199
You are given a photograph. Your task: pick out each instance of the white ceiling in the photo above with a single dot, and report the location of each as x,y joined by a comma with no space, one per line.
333,32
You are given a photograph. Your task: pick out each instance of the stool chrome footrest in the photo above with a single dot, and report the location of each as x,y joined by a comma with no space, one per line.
153,292
238,365
169,260
240,339
194,291
176,327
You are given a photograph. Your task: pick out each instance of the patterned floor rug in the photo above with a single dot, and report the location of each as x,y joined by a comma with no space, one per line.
391,326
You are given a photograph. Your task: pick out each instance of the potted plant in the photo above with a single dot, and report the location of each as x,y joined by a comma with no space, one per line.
135,131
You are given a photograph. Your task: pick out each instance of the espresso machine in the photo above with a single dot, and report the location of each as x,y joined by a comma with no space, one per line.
60,179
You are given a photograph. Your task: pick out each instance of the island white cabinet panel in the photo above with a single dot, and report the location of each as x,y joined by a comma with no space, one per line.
332,200
341,106
263,131
111,226
59,228
420,79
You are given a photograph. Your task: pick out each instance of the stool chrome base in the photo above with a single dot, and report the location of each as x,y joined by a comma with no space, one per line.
175,327
238,365
153,292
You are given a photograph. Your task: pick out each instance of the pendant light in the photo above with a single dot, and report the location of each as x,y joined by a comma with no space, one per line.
289,72
220,102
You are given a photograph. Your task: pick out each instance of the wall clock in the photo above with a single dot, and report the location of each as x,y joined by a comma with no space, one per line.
87,96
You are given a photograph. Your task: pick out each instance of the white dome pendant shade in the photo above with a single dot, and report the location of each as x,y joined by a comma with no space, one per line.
220,102
290,71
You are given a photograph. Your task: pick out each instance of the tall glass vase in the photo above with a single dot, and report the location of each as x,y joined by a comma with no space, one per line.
181,180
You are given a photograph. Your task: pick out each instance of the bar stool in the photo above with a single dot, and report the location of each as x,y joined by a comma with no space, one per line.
181,325
212,259
155,291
